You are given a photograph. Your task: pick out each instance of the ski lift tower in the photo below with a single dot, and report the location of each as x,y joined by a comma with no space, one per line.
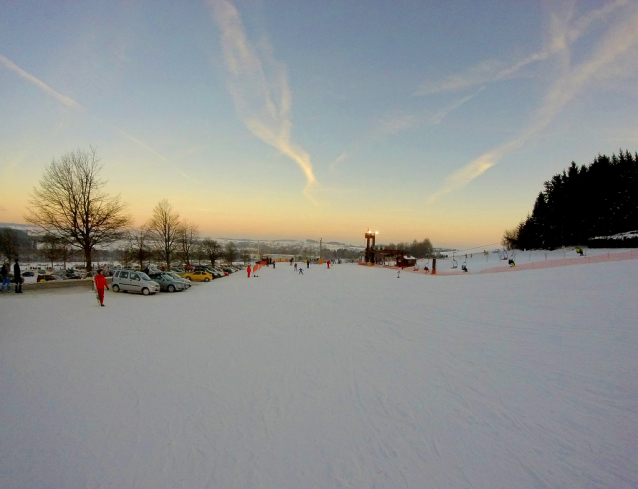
370,240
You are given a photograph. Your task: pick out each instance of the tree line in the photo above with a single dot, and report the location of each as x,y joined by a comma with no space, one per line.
418,249
600,199
74,215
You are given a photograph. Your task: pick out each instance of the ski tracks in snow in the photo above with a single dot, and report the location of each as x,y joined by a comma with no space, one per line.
338,378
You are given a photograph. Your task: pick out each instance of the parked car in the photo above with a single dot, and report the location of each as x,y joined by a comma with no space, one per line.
215,273
72,274
179,278
168,283
211,270
198,276
29,277
132,281
200,268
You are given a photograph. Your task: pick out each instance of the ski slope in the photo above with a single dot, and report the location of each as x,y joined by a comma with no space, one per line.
347,377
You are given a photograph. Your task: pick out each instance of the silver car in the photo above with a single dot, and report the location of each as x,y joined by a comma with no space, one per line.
133,281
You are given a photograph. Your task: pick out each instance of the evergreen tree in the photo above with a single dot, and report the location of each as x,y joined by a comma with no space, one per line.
596,200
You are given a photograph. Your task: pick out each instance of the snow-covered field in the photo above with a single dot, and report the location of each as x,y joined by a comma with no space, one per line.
347,377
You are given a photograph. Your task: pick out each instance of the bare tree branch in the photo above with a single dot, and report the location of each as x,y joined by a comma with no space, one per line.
71,206
164,229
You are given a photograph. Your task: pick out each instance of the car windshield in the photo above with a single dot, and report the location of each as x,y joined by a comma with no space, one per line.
174,275
143,276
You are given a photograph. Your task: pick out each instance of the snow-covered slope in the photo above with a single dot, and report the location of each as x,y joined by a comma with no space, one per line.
347,377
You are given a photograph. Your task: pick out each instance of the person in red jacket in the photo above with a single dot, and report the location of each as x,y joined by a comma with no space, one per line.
248,270
100,283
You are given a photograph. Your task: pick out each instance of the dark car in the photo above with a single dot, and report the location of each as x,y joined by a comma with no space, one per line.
179,278
167,282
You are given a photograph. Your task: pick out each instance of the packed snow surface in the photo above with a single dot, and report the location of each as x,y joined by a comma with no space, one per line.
348,377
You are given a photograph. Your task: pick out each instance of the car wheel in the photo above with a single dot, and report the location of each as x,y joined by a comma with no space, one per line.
145,291
171,288
116,288
206,279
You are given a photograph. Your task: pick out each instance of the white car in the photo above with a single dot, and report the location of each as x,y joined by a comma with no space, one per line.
133,281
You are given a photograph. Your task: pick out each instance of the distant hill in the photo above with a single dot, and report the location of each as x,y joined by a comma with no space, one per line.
27,228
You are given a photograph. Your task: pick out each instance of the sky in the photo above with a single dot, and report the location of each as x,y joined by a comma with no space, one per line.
307,120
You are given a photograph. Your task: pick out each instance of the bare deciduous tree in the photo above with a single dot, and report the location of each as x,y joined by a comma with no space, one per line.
510,238
164,228
212,249
139,245
71,206
50,248
230,252
244,256
9,243
188,238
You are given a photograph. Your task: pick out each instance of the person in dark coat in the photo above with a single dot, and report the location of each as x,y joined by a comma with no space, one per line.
17,277
4,273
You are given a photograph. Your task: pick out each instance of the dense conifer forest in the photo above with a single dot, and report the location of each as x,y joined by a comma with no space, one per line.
582,203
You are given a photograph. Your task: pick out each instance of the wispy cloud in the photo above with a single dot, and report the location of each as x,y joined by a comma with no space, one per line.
396,123
258,84
617,50
338,160
69,102
441,114
561,36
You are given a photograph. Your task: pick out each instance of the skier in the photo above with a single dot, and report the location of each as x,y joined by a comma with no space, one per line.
328,263
464,267
248,270
300,271
295,267
17,277
579,251
100,283
291,260
399,273
308,263
4,273
511,263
